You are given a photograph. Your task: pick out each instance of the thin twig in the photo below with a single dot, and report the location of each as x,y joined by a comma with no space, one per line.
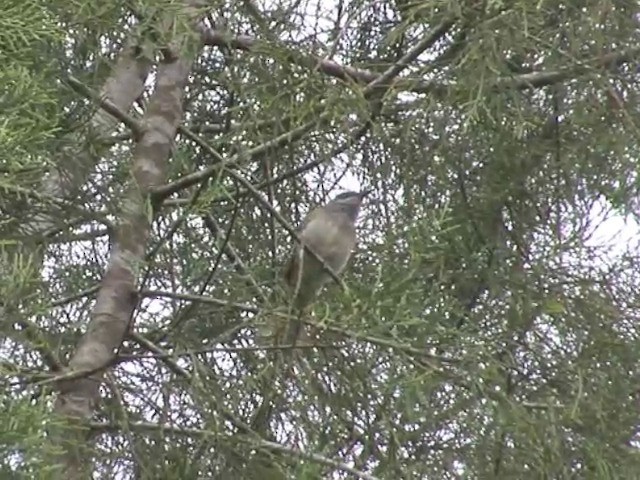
198,299
260,443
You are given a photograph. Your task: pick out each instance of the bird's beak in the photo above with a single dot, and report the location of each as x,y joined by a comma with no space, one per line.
364,193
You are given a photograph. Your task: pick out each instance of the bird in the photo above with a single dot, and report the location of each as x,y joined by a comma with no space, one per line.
330,232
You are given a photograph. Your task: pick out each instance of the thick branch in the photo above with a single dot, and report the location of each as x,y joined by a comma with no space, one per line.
117,296
120,90
413,84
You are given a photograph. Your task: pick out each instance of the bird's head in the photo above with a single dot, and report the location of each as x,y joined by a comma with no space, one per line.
348,203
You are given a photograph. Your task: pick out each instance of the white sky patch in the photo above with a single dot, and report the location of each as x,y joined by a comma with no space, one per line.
614,233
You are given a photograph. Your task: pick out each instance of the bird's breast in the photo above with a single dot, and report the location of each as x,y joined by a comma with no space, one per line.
332,239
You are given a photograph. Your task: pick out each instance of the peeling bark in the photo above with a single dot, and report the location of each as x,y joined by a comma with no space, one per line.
116,300
122,88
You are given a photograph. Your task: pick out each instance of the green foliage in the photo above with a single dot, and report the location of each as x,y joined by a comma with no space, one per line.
29,103
23,446
485,332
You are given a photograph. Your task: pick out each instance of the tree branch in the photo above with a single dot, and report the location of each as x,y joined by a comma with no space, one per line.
262,444
413,84
117,298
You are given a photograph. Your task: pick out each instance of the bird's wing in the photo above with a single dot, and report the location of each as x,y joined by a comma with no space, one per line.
319,231
310,224
289,267
311,216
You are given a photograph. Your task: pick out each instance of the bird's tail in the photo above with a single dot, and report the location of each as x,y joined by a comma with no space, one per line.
294,330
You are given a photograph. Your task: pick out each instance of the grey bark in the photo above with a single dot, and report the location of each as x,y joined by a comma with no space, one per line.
116,299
